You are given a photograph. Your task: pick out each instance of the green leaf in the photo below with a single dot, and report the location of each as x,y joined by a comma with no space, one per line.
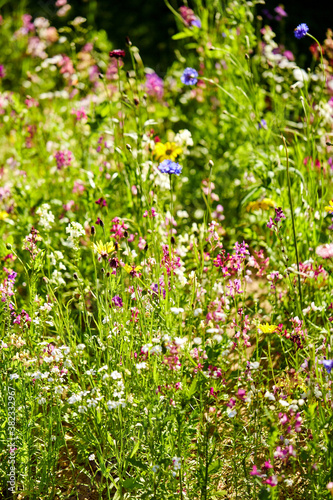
183,34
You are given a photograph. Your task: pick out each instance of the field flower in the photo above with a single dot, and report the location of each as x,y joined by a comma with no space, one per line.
301,30
189,76
325,251
329,207
46,216
117,53
167,151
328,365
103,249
154,85
75,231
267,328
170,167
264,204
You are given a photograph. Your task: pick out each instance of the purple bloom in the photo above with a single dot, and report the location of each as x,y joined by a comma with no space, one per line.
2,71
63,159
262,124
279,214
154,85
117,301
196,22
301,30
280,11
170,167
190,76
328,364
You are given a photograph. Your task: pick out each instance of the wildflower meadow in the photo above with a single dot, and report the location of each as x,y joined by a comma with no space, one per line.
166,260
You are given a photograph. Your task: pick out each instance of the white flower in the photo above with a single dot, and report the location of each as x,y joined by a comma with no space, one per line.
197,340
231,413
82,409
254,365
14,376
177,462
115,375
80,347
218,339
75,398
46,216
41,400
197,312
58,389
176,310
155,468
283,402
140,366
92,456
75,231
270,396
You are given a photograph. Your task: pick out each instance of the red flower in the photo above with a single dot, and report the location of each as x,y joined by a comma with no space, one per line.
117,53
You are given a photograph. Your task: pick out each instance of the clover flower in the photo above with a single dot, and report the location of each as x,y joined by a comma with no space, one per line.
301,30
189,76
170,167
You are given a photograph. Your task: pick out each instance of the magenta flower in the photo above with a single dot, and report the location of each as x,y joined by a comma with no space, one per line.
154,85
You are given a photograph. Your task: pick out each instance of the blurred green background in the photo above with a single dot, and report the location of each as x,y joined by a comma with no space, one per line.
150,24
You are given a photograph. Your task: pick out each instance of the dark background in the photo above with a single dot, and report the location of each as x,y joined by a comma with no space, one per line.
150,24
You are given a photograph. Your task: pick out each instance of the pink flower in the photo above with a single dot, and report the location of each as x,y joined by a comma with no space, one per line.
272,481
255,471
325,251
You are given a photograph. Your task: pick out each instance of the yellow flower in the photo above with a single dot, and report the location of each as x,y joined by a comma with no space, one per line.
104,249
329,208
167,151
131,269
3,215
267,328
264,204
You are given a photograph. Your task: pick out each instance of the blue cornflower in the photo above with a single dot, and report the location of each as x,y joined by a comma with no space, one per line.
170,167
301,30
328,364
190,76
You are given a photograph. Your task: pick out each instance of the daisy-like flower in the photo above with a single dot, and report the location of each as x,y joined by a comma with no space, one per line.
329,207
167,151
104,249
267,328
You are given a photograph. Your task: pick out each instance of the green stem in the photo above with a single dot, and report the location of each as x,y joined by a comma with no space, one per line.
293,224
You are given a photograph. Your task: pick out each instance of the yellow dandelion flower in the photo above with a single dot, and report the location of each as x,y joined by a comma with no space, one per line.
167,151
264,204
267,328
329,208
104,249
3,215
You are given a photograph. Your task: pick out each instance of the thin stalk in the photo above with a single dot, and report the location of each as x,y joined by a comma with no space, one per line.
293,224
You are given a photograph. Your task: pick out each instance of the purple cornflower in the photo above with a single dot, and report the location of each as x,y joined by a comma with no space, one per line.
189,76
328,364
301,30
170,167
117,301
154,85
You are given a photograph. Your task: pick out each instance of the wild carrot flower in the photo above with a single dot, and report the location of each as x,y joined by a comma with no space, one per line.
301,30
189,76
167,151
